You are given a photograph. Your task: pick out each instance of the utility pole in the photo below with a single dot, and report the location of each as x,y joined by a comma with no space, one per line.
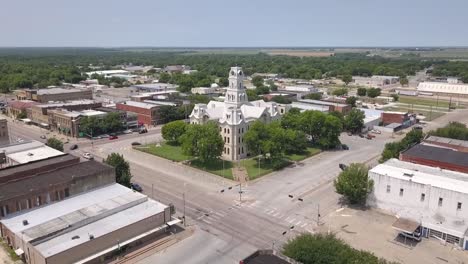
318,214
183,196
240,192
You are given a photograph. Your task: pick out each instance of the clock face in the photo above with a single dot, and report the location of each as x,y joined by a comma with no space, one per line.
240,72
233,73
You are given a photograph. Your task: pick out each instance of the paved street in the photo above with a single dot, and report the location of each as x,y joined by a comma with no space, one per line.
229,230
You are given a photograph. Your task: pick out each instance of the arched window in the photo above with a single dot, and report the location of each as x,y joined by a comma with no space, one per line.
227,150
228,131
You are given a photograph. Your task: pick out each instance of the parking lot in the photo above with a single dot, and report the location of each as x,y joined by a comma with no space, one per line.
372,230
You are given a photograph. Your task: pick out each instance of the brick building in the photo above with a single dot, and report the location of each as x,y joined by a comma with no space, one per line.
395,117
332,106
148,114
459,145
54,94
435,156
43,182
39,113
16,108
4,134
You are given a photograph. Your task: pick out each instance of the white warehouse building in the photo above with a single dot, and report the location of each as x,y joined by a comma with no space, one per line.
435,199
444,88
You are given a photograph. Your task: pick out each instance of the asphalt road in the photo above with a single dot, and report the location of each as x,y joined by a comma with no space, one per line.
229,229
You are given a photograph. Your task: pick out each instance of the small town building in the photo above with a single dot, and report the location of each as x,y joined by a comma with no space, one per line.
148,114
444,88
86,228
459,145
339,107
436,156
235,115
432,199
152,95
56,94
108,73
4,132
39,113
155,87
25,152
402,118
28,189
375,81
372,118
176,68
20,107
203,90
306,107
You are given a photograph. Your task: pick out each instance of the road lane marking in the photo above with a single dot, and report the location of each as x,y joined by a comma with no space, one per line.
206,221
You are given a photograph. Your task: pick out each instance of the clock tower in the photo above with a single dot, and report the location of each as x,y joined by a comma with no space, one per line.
235,93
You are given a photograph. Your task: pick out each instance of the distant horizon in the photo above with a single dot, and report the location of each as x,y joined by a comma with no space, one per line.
237,47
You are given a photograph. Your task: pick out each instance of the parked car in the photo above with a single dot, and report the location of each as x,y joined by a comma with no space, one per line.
344,147
375,131
136,143
361,135
103,136
113,137
136,187
342,166
142,131
43,137
88,156
73,147
350,134
128,131
370,135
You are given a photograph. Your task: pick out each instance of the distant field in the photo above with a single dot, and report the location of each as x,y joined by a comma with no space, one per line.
301,53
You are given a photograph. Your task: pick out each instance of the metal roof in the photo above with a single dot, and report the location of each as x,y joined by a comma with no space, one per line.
438,154
450,141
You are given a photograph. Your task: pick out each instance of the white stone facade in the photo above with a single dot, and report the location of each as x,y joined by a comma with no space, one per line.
235,115
435,198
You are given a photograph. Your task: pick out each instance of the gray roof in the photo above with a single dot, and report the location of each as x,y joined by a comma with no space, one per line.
438,154
57,91
450,141
44,180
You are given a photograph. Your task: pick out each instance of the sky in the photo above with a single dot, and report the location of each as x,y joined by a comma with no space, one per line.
236,23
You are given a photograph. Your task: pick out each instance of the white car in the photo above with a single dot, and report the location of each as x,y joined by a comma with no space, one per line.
376,131
128,131
87,155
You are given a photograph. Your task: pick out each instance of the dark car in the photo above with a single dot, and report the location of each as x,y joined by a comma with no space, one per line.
136,187
136,143
113,137
361,135
342,166
73,147
344,147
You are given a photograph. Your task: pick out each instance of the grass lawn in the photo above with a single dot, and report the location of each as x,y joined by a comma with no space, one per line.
215,167
423,101
429,116
166,151
308,153
254,171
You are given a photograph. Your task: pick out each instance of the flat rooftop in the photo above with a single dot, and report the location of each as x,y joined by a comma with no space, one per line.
69,103
55,177
31,166
33,154
96,213
58,91
155,86
436,177
140,104
449,141
318,102
439,154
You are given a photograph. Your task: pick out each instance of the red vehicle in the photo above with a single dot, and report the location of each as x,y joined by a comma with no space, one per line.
370,136
113,137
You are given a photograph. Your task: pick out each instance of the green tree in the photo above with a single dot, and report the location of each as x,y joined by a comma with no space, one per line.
262,90
257,81
453,130
403,80
272,85
164,77
395,97
172,131
351,101
55,143
122,168
112,123
354,120
347,78
22,115
330,134
223,82
281,99
353,183
361,91
295,141
340,92
252,95
393,149
373,92
314,96
202,141
326,249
